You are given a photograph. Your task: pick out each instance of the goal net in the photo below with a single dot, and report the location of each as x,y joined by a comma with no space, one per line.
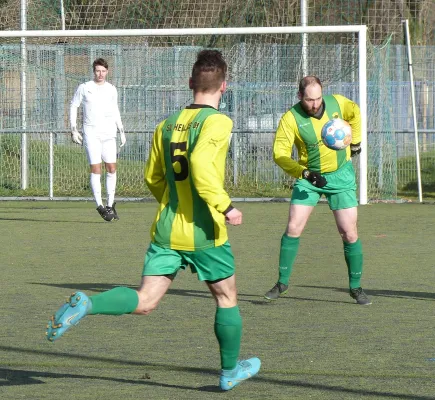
40,70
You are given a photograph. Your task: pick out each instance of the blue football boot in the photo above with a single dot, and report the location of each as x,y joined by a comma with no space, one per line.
68,315
245,369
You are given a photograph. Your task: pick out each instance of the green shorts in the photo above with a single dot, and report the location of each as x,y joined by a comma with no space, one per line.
340,191
210,264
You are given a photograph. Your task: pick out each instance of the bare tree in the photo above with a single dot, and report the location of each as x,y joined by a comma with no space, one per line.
383,17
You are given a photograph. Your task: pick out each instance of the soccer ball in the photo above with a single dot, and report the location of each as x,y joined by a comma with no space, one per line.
336,134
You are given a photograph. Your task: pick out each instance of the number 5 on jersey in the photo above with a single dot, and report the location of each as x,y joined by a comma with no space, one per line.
183,172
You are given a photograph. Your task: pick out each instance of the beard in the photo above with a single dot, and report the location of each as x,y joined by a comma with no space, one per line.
312,111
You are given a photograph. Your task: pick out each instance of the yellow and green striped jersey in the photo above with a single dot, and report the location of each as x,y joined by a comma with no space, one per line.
185,172
299,129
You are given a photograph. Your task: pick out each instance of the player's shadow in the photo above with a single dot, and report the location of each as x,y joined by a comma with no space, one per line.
102,287
401,294
19,377
10,210
6,209
15,377
265,302
50,221
255,299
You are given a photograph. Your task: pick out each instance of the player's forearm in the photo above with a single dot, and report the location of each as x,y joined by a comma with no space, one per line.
282,150
157,190
156,183
209,187
352,115
221,204
355,124
154,177
207,169
290,166
356,132
73,117
220,200
119,125
118,120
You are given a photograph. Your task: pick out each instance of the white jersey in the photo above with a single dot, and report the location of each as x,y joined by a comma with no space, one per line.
100,108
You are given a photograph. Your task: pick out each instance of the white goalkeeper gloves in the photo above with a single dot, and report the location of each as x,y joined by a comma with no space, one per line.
122,137
75,136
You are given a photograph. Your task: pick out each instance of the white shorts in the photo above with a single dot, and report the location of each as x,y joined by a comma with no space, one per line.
100,149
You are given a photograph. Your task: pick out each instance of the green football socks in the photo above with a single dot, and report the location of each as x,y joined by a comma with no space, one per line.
354,259
117,301
287,255
228,331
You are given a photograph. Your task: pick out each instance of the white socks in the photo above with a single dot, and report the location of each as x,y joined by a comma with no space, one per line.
110,187
96,188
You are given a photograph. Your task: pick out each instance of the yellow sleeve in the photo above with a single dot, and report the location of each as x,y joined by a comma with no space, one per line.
154,169
283,146
207,161
351,114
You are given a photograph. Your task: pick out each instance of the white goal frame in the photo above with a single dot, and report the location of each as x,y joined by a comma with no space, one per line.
360,30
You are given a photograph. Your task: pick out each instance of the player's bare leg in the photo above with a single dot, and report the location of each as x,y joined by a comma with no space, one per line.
117,301
151,291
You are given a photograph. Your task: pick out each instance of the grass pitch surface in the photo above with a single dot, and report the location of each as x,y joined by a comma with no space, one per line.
314,343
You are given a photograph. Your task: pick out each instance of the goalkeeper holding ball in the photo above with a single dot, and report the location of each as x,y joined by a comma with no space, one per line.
101,119
185,172
319,171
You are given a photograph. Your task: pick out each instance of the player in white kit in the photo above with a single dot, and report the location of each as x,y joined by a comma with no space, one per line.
101,120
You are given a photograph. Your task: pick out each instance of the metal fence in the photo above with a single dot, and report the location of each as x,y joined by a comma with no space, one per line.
150,88
58,168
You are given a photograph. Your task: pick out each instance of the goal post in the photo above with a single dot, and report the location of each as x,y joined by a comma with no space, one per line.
253,49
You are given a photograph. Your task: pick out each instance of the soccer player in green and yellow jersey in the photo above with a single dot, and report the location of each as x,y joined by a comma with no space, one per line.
185,172
319,171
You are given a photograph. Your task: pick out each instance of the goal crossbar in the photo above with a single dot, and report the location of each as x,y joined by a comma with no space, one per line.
185,31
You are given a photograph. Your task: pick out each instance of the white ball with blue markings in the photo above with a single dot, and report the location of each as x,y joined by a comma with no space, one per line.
336,134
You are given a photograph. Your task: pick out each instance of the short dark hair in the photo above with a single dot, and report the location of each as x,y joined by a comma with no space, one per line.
100,61
209,71
308,81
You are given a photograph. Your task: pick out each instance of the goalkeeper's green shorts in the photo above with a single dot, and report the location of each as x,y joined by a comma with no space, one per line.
210,264
340,191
